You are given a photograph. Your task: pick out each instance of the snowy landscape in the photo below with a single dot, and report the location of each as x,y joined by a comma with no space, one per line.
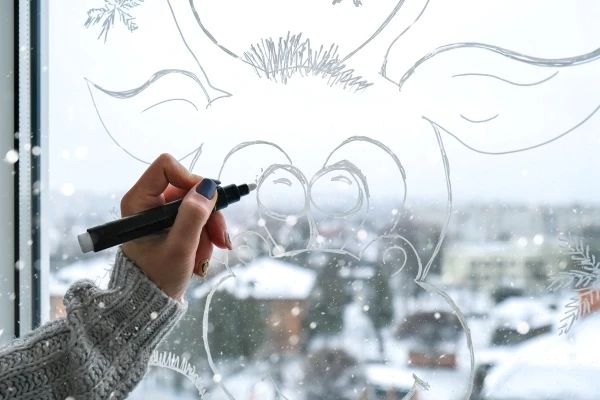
425,224
318,325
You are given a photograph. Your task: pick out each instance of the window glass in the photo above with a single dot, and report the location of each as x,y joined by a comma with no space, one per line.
426,213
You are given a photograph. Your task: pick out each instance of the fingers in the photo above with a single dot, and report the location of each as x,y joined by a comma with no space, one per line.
174,193
203,254
195,209
216,226
147,191
217,230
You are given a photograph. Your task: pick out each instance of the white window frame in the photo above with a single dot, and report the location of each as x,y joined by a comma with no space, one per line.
7,128
24,253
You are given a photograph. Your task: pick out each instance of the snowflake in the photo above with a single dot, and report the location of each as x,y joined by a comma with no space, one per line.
583,277
357,3
112,10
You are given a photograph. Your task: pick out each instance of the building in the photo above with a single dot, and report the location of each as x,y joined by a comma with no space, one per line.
283,287
525,263
95,269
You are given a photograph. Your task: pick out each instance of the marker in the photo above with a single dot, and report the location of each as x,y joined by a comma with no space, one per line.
150,221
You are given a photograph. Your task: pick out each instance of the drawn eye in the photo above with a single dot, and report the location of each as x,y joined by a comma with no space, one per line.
282,181
342,178
337,190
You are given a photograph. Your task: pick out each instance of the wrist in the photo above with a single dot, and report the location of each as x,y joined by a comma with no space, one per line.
170,284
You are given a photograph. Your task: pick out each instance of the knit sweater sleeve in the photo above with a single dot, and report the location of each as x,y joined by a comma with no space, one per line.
101,349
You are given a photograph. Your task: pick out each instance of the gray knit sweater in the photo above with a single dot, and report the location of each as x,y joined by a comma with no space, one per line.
101,349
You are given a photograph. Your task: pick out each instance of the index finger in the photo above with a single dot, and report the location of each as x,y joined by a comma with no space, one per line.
164,170
148,191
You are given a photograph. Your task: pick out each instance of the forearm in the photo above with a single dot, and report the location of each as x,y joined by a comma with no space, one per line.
101,349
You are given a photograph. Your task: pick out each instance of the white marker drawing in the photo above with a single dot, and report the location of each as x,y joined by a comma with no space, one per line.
485,141
583,277
181,365
279,58
391,242
138,104
343,171
479,121
506,80
156,97
386,14
418,384
281,55
282,58
357,3
113,10
383,70
516,56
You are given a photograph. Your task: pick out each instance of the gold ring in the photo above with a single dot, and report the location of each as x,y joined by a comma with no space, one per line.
203,267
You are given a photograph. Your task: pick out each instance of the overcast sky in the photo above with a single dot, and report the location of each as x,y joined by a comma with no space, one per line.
308,119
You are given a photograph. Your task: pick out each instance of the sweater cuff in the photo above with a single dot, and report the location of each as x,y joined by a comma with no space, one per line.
132,307
115,331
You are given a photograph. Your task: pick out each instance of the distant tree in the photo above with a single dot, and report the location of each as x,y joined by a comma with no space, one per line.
413,232
238,326
380,306
333,375
326,303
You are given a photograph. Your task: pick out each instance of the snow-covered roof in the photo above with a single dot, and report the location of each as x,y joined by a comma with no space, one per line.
389,377
264,278
96,269
571,363
515,311
494,248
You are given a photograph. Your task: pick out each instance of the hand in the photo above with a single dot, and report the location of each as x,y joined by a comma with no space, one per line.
170,258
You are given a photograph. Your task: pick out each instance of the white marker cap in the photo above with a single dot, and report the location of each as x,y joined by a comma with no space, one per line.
85,242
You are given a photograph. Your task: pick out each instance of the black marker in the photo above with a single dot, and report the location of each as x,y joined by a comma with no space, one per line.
150,221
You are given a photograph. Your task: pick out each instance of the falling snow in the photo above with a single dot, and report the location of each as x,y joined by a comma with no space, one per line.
11,157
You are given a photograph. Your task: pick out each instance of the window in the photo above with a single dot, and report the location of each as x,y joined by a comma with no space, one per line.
409,157
6,178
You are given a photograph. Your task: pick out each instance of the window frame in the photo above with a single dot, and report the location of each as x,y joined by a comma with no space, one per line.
7,181
24,255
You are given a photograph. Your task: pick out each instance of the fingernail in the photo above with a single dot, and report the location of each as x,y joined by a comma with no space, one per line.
228,241
218,182
207,188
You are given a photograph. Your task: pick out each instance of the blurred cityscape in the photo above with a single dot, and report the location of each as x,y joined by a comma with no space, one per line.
354,324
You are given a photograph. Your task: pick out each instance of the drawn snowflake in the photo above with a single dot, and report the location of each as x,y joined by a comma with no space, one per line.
583,277
357,3
113,10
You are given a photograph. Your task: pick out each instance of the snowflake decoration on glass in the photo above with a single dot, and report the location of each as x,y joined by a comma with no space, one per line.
583,277
357,3
113,10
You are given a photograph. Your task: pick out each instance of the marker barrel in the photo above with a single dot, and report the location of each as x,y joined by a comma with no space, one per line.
150,221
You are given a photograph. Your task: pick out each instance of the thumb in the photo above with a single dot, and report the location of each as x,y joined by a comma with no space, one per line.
196,207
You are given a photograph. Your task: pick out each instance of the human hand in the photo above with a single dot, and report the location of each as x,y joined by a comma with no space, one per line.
169,258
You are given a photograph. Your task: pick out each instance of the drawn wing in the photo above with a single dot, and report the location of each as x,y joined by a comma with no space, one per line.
161,115
496,101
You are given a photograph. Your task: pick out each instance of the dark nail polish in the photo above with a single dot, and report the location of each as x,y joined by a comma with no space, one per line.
218,182
207,188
